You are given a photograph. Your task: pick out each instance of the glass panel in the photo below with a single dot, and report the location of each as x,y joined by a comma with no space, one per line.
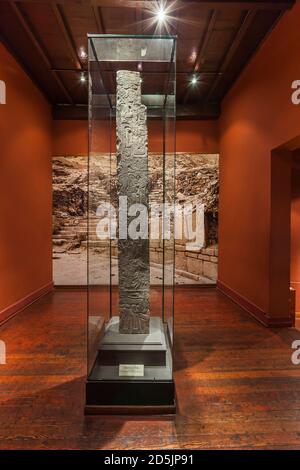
169,198
98,267
127,274
131,49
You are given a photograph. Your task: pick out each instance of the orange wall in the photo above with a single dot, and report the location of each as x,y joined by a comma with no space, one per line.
25,186
71,137
257,116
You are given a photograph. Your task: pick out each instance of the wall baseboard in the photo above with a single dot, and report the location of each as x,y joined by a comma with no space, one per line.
254,310
176,286
9,312
71,286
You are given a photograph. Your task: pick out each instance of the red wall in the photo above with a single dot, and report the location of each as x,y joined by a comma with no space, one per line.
257,116
25,190
71,137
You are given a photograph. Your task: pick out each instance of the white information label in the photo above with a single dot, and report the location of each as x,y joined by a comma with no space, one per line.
131,370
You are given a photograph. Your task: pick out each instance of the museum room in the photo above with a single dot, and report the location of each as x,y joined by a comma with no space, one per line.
150,225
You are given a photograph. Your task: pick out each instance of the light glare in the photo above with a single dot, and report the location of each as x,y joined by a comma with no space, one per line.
82,53
161,15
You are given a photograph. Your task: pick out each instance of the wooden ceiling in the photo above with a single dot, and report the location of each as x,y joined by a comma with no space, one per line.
215,40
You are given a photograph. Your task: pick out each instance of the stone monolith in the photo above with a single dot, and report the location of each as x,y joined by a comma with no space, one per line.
132,175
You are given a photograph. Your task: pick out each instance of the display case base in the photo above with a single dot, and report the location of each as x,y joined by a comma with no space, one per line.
129,394
108,391
130,410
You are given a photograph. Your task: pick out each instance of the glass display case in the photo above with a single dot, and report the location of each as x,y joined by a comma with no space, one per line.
131,199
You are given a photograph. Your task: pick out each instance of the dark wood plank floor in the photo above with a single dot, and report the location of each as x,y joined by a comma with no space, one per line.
236,385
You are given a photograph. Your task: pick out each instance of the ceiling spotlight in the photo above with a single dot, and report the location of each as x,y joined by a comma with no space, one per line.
161,15
82,78
194,80
82,53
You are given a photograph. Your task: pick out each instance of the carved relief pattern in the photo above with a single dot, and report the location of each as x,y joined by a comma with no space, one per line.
132,174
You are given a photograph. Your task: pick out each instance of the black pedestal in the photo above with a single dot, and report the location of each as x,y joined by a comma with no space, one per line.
158,396
154,393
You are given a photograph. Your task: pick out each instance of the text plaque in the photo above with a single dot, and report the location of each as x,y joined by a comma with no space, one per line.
131,370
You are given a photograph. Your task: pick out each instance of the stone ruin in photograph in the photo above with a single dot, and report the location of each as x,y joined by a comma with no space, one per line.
197,178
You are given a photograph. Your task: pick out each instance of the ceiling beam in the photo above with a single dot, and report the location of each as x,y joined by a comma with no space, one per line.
101,30
203,46
243,5
138,20
102,82
198,111
191,111
205,39
64,27
246,23
225,5
99,19
29,30
178,72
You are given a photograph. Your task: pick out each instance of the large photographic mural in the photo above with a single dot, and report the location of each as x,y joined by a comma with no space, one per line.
197,181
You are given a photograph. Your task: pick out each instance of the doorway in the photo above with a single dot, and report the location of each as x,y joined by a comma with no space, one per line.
295,236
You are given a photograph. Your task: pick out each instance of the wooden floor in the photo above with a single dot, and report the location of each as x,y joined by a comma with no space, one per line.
236,385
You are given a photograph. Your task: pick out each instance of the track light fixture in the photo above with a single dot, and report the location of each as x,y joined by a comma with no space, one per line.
194,79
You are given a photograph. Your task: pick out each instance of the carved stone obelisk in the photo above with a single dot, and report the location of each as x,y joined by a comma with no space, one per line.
132,171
